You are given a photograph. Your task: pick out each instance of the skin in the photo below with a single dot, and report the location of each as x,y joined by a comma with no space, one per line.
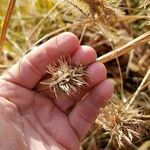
35,120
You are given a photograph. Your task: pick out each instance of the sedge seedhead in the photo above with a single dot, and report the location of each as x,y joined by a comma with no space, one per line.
65,77
121,124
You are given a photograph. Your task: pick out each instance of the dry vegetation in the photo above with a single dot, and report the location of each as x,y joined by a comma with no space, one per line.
65,78
120,27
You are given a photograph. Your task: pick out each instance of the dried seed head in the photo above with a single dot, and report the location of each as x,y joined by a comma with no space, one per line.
122,125
106,12
103,10
65,78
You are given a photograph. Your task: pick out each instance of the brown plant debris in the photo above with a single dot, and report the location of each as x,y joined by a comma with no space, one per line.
65,77
123,126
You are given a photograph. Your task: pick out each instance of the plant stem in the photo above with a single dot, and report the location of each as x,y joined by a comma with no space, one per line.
139,89
42,20
139,41
9,12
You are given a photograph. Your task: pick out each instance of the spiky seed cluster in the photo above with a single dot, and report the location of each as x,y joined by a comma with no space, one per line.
122,125
65,78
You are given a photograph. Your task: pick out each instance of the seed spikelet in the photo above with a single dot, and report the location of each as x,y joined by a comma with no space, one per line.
65,77
122,125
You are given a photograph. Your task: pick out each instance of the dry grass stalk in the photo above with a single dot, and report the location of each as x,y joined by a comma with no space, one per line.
139,89
6,22
60,30
84,30
131,18
65,78
42,20
141,40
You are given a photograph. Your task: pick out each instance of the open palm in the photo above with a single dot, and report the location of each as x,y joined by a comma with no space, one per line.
35,120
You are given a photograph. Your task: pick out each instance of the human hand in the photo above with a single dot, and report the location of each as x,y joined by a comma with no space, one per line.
35,120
